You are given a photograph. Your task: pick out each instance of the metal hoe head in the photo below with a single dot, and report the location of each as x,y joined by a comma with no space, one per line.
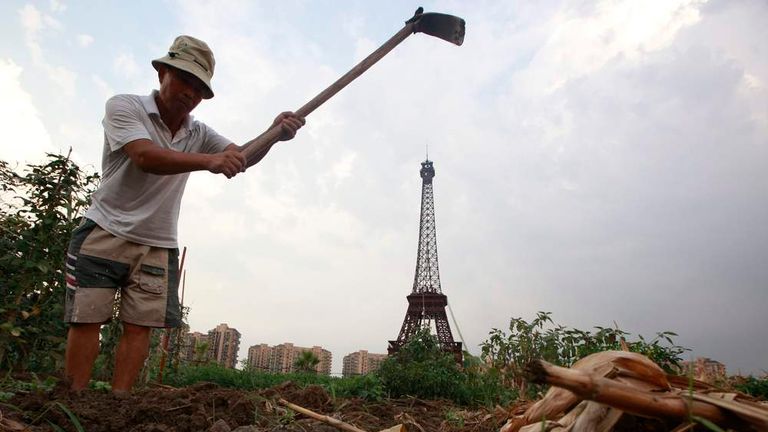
446,27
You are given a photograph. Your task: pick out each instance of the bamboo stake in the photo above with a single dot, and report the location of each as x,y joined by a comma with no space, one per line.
622,396
166,333
323,418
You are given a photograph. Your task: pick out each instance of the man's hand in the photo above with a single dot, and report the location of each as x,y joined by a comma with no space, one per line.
289,123
230,162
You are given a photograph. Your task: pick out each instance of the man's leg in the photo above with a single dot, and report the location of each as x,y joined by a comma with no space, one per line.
82,349
131,353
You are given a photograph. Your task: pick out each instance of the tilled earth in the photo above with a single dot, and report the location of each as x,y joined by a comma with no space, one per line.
208,407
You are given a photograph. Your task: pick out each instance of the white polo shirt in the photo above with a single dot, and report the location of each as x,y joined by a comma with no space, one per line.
132,204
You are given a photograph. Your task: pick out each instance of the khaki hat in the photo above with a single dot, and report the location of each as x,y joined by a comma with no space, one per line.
191,55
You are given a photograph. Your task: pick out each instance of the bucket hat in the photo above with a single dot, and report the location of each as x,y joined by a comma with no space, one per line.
191,55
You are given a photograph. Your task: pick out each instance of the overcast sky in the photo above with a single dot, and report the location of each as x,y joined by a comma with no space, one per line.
604,161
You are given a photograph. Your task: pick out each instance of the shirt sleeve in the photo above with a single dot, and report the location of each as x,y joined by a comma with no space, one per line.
122,122
212,141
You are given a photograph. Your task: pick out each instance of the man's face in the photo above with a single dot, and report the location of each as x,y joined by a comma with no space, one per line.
180,91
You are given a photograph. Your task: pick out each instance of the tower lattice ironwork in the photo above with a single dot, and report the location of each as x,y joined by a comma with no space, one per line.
427,303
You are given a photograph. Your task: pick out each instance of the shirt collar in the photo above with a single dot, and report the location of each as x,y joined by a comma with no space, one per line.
151,107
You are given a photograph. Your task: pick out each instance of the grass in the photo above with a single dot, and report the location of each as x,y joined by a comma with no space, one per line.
72,417
366,387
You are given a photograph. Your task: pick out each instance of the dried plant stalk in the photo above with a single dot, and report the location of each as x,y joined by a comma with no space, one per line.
622,396
323,418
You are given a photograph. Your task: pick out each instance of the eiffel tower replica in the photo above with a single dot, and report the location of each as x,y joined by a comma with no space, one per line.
426,304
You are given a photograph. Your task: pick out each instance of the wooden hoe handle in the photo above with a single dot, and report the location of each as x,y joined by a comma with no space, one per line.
272,135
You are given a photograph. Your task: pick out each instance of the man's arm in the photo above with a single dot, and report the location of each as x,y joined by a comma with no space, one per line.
153,159
289,122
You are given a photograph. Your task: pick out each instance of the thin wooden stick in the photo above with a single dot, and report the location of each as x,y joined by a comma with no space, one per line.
323,418
622,396
179,407
167,332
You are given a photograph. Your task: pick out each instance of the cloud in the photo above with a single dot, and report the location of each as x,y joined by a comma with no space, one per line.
84,40
57,6
25,137
125,66
583,41
104,89
35,23
340,171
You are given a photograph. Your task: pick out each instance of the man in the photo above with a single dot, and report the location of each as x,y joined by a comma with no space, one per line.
128,239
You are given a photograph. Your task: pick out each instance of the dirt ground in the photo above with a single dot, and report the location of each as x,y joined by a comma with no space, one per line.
208,407
199,407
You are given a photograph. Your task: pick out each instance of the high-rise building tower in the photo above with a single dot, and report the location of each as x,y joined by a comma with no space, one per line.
224,343
282,358
427,303
361,362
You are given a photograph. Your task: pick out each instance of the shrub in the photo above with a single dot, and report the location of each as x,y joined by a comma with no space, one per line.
508,354
38,210
421,369
753,386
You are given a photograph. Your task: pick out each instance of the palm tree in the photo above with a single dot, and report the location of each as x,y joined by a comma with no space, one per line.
201,352
306,362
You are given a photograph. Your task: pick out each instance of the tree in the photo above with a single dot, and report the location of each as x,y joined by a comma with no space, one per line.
201,351
307,361
39,208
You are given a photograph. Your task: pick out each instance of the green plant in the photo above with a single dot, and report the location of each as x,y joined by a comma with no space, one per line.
33,384
287,416
754,386
420,368
109,337
527,341
72,417
201,352
39,207
454,418
100,385
542,338
368,387
306,362
484,385
707,424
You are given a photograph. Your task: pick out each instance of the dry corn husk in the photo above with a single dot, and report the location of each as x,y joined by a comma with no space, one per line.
614,382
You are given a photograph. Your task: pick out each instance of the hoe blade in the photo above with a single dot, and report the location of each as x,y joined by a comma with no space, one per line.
446,27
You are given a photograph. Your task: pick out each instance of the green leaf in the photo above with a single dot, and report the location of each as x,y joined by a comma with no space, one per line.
72,417
708,424
55,427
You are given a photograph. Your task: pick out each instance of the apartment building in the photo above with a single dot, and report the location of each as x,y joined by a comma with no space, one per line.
224,342
281,358
361,363
259,357
705,369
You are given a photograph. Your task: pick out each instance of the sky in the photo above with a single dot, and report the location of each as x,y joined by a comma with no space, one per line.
604,161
